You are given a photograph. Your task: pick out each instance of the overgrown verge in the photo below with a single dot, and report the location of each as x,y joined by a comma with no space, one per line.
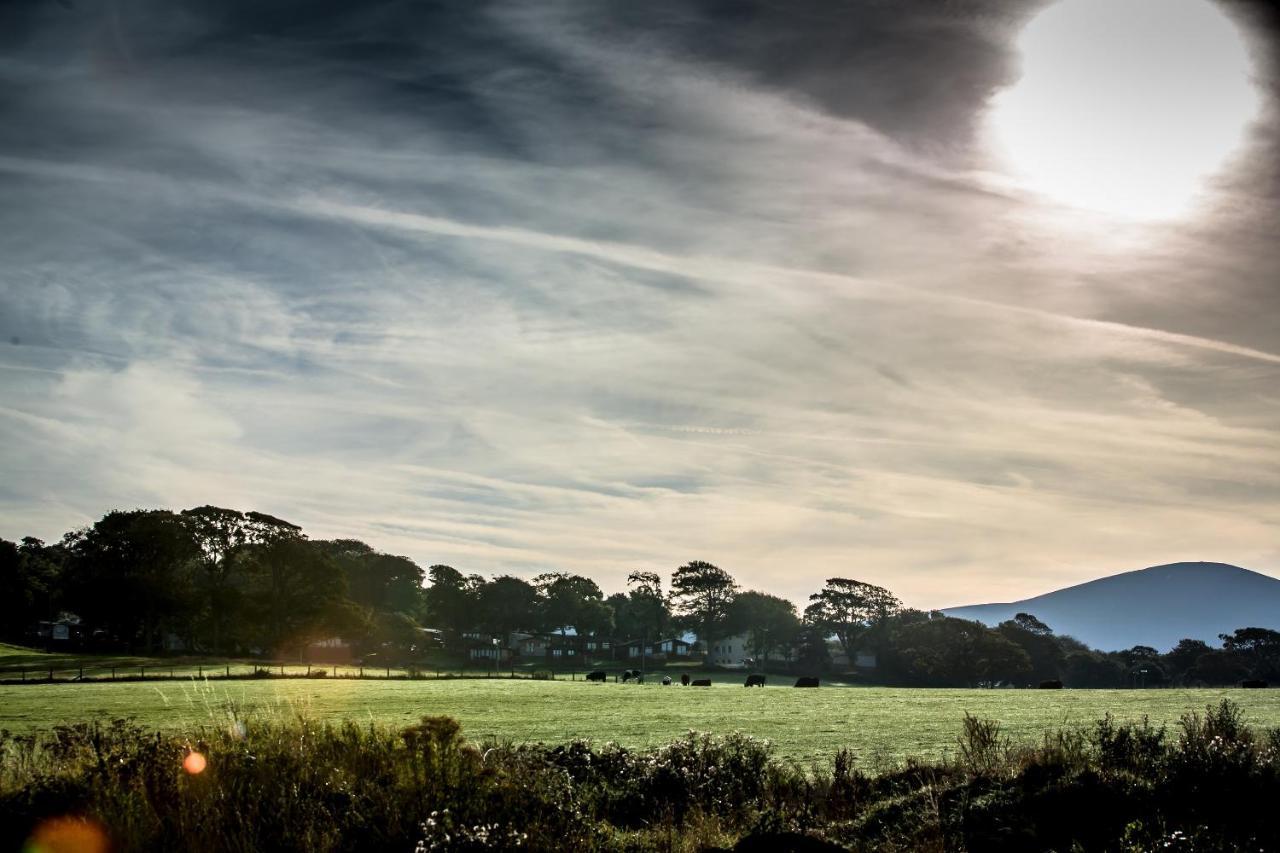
1208,785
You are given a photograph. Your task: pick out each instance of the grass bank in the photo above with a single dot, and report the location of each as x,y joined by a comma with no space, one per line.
1208,783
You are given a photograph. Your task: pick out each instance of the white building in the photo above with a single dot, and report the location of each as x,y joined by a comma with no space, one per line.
733,652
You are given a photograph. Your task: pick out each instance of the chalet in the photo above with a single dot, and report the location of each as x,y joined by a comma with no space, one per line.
485,647
674,648
562,647
62,630
329,650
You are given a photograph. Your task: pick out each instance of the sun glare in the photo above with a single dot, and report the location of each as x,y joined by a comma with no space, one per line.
1125,107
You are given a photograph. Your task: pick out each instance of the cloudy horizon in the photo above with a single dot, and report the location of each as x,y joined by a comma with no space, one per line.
524,287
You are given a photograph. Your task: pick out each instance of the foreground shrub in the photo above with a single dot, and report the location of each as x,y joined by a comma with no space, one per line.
299,785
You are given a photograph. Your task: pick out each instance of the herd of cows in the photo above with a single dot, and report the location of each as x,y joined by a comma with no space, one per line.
630,675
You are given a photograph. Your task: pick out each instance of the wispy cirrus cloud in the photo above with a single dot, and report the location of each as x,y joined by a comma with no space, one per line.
523,287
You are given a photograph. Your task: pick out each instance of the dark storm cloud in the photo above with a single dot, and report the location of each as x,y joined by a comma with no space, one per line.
917,68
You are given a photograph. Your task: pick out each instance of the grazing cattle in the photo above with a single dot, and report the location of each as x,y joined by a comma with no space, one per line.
597,675
1055,684
628,674
700,682
1253,682
666,681
754,681
807,681
684,679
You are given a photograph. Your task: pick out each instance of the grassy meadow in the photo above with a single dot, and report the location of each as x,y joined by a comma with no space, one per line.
879,725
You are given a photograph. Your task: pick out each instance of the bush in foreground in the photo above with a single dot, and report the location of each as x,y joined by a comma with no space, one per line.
300,785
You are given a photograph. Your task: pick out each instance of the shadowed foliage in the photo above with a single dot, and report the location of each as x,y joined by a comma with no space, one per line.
298,785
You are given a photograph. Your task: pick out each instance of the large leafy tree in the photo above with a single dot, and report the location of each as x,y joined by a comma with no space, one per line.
641,612
1218,667
769,622
1036,639
852,611
1181,659
1084,668
296,593
811,649
385,583
1258,648
452,602
220,534
955,652
701,594
508,604
130,573
16,594
571,601
30,585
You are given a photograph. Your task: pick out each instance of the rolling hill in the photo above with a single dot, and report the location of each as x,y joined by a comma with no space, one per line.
1151,607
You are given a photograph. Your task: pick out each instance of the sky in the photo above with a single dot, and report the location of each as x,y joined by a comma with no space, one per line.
603,286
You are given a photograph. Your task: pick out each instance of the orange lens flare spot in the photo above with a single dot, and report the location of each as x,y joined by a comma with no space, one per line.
194,763
67,835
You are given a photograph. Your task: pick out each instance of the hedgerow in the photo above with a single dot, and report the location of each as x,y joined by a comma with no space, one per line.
274,784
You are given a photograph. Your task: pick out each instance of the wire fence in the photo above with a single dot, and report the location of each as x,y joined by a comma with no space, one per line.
95,673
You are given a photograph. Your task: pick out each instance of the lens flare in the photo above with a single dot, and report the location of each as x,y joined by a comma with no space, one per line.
67,835
194,763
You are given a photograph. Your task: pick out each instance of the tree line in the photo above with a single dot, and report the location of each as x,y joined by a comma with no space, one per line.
224,582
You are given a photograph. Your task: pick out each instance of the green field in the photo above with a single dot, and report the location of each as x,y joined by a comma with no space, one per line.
879,724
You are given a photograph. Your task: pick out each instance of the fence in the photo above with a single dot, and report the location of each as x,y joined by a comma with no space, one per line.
250,671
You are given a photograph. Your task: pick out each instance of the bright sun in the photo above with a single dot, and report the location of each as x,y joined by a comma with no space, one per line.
1124,107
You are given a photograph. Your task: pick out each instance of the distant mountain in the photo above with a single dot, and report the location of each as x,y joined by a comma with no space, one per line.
1150,607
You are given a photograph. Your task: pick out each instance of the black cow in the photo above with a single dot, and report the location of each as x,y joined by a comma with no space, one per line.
629,674
1055,684
1254,683
807,681
700,682
754,681
684,679
597,675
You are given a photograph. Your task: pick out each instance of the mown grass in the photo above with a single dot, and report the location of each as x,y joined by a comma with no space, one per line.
1207,784
878,725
